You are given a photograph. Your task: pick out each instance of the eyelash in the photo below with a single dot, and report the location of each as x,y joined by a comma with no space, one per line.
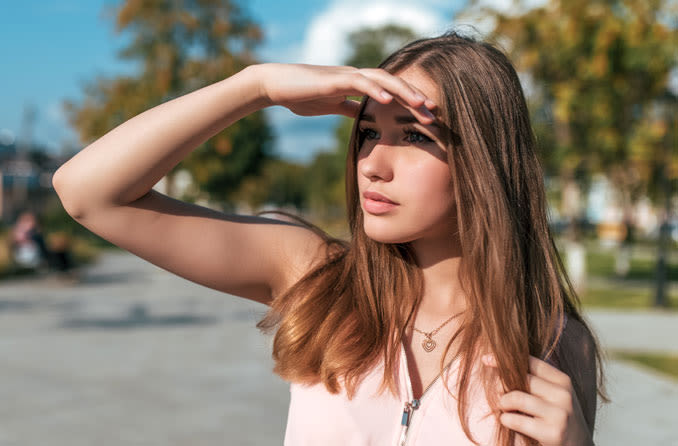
409,131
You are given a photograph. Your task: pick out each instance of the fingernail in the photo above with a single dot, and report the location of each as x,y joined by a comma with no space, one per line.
428,113
487,359
386,95
419,97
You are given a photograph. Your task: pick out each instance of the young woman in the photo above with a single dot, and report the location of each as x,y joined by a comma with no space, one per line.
450,258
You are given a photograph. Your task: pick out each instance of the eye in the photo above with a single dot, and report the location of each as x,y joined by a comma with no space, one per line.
415,137
368,134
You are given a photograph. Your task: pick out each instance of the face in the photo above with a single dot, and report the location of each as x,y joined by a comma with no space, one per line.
406,162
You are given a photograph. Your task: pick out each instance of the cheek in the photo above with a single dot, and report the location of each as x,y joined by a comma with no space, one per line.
430,186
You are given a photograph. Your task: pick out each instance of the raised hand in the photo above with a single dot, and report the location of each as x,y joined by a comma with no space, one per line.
551,413
310,90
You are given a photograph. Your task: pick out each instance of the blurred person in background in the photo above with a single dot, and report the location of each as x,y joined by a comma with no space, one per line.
62,257
622,263
27,243
32,250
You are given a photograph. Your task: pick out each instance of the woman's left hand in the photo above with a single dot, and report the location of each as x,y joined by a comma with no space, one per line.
551,413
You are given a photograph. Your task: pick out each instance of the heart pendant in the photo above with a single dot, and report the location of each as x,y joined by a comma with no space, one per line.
428,344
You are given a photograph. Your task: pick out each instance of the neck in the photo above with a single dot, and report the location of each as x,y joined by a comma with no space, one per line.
439,260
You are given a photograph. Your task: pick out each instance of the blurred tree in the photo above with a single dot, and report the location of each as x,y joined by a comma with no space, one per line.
369,46
281,183
600,71
599,68
326,173
181,45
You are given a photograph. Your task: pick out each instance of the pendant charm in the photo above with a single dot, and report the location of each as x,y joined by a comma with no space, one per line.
428,344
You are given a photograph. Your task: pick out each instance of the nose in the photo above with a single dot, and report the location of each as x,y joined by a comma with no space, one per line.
377,163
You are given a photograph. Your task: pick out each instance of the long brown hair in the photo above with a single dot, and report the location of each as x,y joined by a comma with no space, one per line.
351,311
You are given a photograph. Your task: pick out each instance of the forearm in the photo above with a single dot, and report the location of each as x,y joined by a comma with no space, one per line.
124,164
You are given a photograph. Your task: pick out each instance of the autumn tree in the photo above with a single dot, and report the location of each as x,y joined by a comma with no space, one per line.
281,183
600,69
601,100
181,46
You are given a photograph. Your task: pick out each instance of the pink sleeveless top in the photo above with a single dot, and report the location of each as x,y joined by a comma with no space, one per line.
317,417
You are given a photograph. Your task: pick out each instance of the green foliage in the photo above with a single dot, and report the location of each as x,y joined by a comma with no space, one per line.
621,296
601,263
240,151
280,183
181,46
601,100
665,363
372,45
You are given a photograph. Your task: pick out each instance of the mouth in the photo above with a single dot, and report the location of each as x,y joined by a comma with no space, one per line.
377,197
377,204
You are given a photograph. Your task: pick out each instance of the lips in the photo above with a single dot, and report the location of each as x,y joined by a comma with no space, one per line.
377,197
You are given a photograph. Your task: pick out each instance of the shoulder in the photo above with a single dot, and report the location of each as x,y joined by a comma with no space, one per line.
577,342
577,358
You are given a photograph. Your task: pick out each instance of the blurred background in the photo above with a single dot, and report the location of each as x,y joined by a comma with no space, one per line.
601,79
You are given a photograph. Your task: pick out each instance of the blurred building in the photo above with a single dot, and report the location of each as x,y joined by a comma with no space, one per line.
604,209
25,180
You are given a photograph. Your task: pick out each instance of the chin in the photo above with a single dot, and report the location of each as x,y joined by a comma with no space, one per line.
386,236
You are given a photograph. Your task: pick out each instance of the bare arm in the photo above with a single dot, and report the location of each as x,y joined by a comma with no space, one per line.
107,187
124,164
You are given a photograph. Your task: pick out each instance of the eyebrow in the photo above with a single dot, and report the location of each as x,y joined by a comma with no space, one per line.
405,119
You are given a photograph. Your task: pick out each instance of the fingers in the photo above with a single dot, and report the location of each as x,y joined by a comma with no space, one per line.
310,90
545,411
548,391
538,368
550,426
526,403
422,113
410,94
548,372
406,94
521,423
543,380
384,87
359,85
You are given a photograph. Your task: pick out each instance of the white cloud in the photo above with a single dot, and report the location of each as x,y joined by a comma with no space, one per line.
326,43
485,23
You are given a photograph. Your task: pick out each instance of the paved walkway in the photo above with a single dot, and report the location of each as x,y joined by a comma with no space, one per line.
134,355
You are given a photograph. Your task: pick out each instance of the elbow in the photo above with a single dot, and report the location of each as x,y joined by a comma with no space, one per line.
59,183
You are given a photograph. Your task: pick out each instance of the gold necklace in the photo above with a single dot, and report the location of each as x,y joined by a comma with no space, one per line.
429,344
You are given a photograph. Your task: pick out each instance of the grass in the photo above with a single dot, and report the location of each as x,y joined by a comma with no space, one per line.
626,297
636,290
601,263
664,363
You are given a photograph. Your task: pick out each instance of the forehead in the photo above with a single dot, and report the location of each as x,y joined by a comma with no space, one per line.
418,79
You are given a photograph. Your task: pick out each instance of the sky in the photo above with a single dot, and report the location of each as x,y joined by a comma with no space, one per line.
50,49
